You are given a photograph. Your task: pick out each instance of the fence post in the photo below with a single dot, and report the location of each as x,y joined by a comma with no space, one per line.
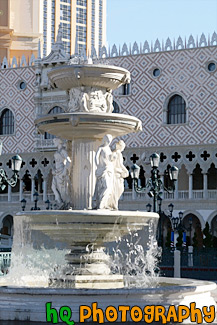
177,264
190,256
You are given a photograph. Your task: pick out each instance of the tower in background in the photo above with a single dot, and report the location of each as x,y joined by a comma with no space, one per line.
81,19
24,22
21,27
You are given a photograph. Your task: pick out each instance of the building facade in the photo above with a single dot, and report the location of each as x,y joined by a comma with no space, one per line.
24,22
173,91
20,28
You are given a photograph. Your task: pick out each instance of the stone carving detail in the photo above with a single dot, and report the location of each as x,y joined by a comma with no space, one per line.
61,183
90,100
110,174
168,45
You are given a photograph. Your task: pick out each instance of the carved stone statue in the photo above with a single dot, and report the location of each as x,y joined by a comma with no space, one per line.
91,100
61,175
104,174
120,172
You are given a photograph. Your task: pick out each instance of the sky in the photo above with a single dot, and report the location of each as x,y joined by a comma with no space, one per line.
140,20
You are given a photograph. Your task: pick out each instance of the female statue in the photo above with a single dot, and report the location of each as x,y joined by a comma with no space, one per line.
120,172
61,174
104,174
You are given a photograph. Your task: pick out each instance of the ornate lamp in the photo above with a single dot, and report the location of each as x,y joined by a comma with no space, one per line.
154,183
155,159
47,203
16,165
134,171
23,204
35,196
148,207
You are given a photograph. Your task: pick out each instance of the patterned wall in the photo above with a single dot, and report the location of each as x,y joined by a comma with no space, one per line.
182,71
21,103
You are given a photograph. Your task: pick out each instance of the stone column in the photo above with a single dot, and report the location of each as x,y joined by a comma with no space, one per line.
83,172
44,185
177,264
205,190
21,189
32,188
190,187
176,192
9,193
133,191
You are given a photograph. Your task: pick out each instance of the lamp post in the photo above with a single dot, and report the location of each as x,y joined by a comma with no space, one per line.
23,204
35,196
16,165
154,182
47,203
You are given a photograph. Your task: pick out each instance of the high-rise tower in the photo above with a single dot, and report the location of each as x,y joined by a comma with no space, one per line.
84,19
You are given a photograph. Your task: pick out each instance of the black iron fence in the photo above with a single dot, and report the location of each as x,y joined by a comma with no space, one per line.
200,264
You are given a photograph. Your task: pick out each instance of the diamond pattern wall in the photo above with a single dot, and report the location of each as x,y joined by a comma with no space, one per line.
21,103
183,72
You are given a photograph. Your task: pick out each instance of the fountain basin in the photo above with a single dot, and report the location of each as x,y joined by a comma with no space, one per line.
99,75
76,227
28,304
88,125
82,239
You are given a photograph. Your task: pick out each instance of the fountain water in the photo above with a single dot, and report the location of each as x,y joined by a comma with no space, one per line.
63,251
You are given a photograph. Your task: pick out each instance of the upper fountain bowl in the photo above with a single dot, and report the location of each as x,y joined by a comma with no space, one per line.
89,75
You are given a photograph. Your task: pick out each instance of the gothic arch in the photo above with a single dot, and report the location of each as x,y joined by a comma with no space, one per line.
166,104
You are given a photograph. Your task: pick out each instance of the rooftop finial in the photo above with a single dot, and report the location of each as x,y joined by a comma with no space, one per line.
59,34
76,45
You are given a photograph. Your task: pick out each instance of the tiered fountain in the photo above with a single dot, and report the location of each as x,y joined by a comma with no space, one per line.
88,180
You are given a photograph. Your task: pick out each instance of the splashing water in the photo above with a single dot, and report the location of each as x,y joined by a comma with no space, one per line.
136,263
30,267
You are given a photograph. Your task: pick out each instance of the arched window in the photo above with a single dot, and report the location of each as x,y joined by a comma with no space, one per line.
7,225
176,112
54,110
6,122
116,107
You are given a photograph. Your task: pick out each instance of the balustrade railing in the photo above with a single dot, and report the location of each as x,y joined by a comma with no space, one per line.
183,195
198,194
128,195
212,194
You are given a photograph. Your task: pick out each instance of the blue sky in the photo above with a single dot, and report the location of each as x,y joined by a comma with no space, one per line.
140,20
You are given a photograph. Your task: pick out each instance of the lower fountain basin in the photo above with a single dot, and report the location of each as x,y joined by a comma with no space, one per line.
28,304
83,227
88,125
80,243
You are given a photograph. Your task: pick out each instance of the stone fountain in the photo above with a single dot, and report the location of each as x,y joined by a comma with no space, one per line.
87,182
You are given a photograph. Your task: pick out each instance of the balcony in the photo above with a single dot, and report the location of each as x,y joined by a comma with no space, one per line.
130,195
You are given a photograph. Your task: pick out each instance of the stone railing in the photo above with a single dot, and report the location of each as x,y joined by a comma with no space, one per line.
129,195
